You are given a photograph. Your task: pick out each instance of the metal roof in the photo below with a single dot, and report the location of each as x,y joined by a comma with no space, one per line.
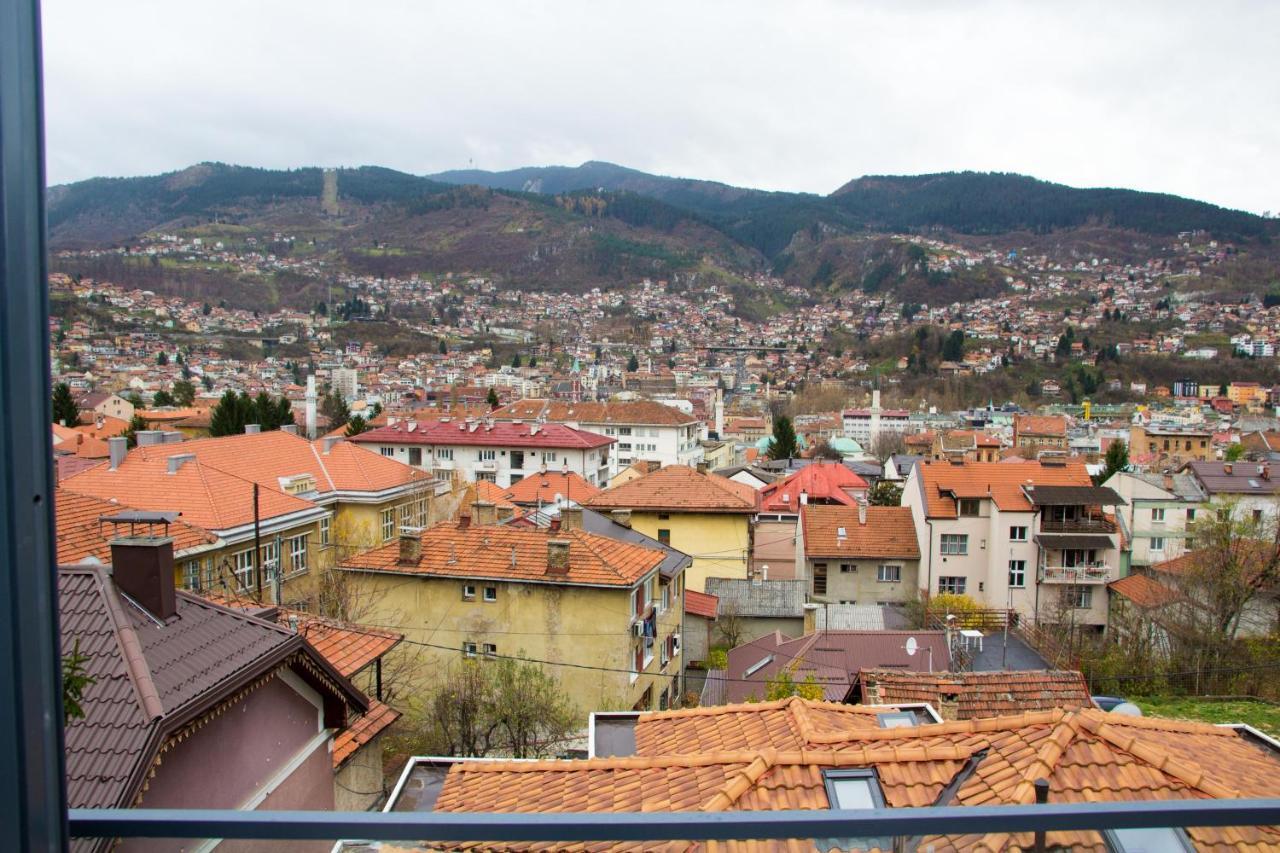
1074,540
1074,496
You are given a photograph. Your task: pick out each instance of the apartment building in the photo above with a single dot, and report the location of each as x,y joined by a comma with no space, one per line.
1247,488
476,591
1033,434
1169,446
500,452
1036,537
863,425
645,430
1160,511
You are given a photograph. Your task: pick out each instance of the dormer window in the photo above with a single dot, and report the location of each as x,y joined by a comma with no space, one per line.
969,506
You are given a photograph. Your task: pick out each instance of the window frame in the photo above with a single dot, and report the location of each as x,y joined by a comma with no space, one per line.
1157,515
387,518
326,529
1017,537
468,592
820,572
864,774
298,546
961,588
486,597
470,649
969,507
1021,571
880,573
948,543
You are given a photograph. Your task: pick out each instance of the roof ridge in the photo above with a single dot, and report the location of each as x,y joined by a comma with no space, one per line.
323,468
135,660
1046,759
982,724
740,782
1189,774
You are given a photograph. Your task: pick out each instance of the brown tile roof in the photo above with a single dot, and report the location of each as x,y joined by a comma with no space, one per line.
479,434
82,535
773,755
889,532
544,488
646,412
942,482
362,731
679,488
1040,425
978,694
700,604
349,647
152,678
1143,590
514,554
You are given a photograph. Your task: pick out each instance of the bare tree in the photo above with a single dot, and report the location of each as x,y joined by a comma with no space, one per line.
887,443
730,624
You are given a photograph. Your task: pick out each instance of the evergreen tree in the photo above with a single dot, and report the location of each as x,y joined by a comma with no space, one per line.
136,423
229,416
515,360
162,398
333,407
784,442
162,359
953,349
633,363
492,399
184,393
65,410
444,347
1117,459
533,361
356,426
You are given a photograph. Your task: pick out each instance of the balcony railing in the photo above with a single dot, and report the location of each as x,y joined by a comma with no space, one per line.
1091,573
1077,525
440,829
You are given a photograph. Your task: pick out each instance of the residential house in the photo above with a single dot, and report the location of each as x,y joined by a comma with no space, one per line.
859,554
203,706
799,754
105,403
1246,487
1028,536
1033,434
752,608
1169,446
820,482
497,451
865,425
975,695
645,430
565,596
702,515
551,487
831,658
700,610
1159,513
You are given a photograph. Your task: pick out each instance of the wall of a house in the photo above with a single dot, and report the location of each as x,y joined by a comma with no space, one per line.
719,543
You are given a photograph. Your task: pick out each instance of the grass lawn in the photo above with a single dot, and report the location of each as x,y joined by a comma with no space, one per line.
1260,715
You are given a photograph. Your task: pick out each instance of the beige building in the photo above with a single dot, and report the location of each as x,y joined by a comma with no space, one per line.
858,554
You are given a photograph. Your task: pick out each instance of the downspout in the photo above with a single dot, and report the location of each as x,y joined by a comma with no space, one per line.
928,587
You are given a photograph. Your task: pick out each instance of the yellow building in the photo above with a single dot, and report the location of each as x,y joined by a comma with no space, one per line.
706,516
1169,446
603,614
1247,394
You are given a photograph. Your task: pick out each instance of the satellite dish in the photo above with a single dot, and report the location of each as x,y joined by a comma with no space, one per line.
1127,709
912,646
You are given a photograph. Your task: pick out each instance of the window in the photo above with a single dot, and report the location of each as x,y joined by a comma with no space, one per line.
1017,573
297,555
955,543
490,650
270,561
388,524
468,650
387,451
666,597
1080,597
663,516
243,562
952,585
486,477
488,455
191,575
468,592
664,536
1157,543
1018,533
889,574
1148,839
415,456
549,456
853,789
1191,516
325,526
1157,515
444,453
1257,516
969,506
421,512
490,593
757,666
896,720
819,578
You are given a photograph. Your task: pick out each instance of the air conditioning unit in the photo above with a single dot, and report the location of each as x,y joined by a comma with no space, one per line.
637,628
675,644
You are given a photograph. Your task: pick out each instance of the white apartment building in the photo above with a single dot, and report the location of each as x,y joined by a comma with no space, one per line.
1160,509
346,383
863,425
644,430
496,451
1032,536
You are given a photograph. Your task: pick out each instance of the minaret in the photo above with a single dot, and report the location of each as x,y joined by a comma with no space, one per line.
875,413
311,407
719,413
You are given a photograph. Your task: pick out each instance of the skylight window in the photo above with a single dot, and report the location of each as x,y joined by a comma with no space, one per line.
853,789
757,666
896,720
841,532
1154,839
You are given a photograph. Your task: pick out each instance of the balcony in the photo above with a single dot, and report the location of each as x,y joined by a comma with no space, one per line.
1088,573
1077,525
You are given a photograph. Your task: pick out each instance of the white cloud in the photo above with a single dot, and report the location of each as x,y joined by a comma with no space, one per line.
804,95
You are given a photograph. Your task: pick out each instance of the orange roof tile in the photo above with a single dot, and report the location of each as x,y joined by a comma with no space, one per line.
362,730
1143,590
348,646
679,488
889,531
547,486
942,482
81,535
1041,425
647,412
978,694
820,481
514,554
700,604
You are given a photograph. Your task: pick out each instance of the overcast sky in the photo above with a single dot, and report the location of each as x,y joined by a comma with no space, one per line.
1182,98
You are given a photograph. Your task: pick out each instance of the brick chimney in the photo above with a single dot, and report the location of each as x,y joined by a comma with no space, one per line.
702,466
410,546
464,521
142,568
571,517
484,512
949,706
1226,468
557,556
621,516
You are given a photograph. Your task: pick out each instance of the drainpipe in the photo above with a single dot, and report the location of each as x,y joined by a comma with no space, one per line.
928,587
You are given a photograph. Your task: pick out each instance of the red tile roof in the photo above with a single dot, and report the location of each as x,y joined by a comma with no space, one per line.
1040,425
81,534
514,554
362,730
546,487
480,434
1143,590
700,604
624,412
820,481
977,694
348,646
942,482
679,488
889,532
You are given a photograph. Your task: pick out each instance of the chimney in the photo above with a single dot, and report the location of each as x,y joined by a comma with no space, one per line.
484,512
252,429
464,521
117,449
555,524
571,517
142,568
810,617
410,546
292,429
506,513
702,466
173,437
177,460
311,407
148,437
949,706
1265,470
804,498
621,516
862,513
1226,467
330,441
557,556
